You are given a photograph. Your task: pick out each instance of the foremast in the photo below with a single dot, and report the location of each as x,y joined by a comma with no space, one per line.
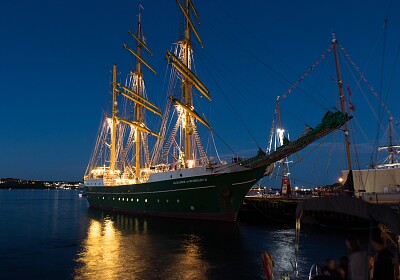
121,156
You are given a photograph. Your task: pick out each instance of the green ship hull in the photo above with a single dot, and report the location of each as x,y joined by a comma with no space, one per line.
179,179
209,197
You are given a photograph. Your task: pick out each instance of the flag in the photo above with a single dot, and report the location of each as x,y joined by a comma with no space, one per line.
351,106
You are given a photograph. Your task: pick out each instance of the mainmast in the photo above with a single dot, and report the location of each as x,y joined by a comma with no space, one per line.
187,88
182,62
138,108
341,95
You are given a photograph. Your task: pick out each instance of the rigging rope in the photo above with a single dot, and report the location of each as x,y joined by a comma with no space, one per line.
381,88
330,152
385,30
232,108
355,148
307,72
197,141
262,44
364,79
349,66
215,147
218,72
372,90
226,144
97,149
362,130
311,150
392,74
317,157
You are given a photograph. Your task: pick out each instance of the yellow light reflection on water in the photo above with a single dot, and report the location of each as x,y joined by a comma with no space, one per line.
129,248
192,258
100,252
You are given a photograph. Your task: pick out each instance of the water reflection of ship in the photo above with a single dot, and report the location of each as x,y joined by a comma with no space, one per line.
119,246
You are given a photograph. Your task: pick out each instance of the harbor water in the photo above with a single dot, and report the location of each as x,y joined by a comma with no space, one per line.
52,234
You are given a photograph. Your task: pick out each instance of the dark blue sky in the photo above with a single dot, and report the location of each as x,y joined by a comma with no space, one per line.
56,59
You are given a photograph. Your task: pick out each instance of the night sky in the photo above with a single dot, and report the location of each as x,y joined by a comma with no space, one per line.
57,56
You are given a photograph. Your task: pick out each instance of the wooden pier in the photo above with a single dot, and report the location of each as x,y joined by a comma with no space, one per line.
282,210
271,208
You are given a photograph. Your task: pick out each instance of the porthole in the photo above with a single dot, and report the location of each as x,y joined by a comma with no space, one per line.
158,201
119,198
131,199
145,200
192,207
166,200
180,175
137,199
177,200
103,197
123,199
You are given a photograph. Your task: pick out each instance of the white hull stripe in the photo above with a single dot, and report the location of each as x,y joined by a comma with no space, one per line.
241,183
153,192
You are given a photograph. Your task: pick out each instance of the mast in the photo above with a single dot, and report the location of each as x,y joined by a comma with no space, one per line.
189,140
136,95
121,145
187,89
183,63
341,95
391,150
113,121
281,135
138,107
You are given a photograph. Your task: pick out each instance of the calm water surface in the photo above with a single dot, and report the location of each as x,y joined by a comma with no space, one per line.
53,234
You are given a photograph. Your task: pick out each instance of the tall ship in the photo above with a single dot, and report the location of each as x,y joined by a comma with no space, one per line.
166,171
